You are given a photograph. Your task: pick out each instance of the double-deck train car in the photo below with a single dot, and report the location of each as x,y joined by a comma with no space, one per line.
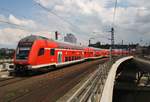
34,52
88,52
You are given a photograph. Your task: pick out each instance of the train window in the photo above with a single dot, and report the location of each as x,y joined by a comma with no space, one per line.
52,52
72,57
22,53
41,52
66,59
69,58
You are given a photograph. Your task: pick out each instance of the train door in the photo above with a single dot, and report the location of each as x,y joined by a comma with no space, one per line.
59,57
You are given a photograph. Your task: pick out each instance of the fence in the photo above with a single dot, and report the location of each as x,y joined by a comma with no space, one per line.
92,89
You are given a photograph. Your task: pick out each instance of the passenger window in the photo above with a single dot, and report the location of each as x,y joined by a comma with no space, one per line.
52,52
69,58
75,58
41,52
66,59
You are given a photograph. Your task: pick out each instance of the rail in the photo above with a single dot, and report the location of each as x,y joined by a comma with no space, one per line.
91,90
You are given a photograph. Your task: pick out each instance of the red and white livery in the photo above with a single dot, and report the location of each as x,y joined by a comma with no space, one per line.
35,52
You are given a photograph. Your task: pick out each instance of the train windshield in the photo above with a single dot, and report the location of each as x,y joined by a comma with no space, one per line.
22,53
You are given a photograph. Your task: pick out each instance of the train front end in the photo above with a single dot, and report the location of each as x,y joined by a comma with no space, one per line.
23,55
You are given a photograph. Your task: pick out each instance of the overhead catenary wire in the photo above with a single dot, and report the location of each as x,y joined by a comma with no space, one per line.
15,25
21,27
7,22
61,18
11,12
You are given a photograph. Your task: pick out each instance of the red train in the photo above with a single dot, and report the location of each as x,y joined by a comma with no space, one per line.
35,52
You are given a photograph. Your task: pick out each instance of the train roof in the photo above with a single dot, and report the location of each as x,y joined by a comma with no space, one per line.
68,45
64,45
32,38
96,48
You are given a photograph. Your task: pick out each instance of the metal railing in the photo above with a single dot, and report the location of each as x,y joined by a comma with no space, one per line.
92,89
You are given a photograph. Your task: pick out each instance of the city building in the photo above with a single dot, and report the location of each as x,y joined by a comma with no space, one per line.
70,38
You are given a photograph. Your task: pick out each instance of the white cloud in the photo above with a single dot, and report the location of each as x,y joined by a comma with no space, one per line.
2,17
24,23
43,2
21,22
91,15
132,19
11,35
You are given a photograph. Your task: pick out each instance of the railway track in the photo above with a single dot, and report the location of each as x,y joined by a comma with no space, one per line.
49,85
15,78
5,82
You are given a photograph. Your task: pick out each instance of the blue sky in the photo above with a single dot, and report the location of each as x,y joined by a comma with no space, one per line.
20,8
84,17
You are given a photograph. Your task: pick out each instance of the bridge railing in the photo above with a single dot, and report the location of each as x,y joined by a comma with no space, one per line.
98,87
91,90
108,88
